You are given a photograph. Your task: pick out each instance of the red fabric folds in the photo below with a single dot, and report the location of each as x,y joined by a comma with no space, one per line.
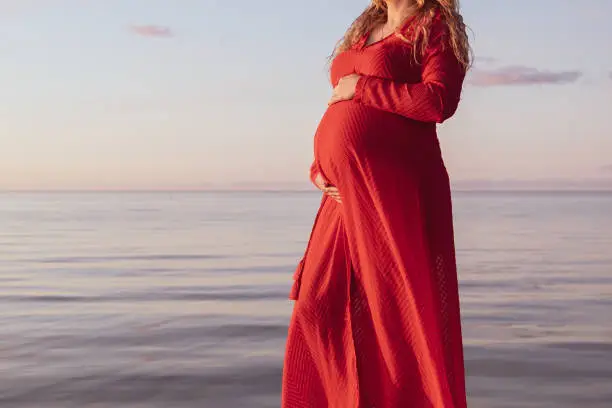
297,280
376,320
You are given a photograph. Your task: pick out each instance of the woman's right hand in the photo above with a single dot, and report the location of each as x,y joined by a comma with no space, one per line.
327,188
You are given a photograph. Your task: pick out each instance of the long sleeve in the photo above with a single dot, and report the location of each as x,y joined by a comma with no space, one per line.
314,170
434,99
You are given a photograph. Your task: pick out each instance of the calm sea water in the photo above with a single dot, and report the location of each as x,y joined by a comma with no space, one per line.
175,300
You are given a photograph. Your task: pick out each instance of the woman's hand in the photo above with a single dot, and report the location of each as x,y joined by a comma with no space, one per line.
345,89
327,188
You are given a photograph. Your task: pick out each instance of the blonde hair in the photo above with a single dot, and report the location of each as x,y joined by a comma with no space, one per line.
426,10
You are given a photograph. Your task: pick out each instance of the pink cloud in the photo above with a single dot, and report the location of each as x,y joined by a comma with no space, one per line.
519,75
151,31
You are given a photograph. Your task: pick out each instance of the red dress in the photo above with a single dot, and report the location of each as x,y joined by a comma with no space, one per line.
376,320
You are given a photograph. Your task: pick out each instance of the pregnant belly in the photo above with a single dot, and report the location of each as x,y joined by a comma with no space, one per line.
351,131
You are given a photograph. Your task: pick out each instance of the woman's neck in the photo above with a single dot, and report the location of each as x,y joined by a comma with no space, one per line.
398,11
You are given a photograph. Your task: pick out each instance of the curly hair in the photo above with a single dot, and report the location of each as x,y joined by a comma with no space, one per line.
426,11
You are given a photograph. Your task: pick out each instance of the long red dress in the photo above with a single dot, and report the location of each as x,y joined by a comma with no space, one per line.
376,320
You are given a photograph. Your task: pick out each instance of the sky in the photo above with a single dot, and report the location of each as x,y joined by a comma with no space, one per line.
196,94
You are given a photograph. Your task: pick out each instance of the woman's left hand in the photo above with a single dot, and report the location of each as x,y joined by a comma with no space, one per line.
345,89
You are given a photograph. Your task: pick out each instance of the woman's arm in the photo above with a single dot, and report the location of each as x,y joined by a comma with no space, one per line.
314,170
434,99
319,181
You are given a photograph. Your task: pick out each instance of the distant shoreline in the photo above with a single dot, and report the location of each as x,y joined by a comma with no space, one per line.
305,191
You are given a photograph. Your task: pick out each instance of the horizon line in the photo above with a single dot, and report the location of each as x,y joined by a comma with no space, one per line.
304,190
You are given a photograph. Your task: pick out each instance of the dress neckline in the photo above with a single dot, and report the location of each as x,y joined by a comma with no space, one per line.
363,44
368,34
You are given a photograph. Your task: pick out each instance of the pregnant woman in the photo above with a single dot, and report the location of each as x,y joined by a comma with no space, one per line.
376,320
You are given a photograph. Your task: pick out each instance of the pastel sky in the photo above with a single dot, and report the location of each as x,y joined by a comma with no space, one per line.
151,94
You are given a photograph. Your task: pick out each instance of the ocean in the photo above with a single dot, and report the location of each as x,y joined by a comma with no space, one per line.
179,299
